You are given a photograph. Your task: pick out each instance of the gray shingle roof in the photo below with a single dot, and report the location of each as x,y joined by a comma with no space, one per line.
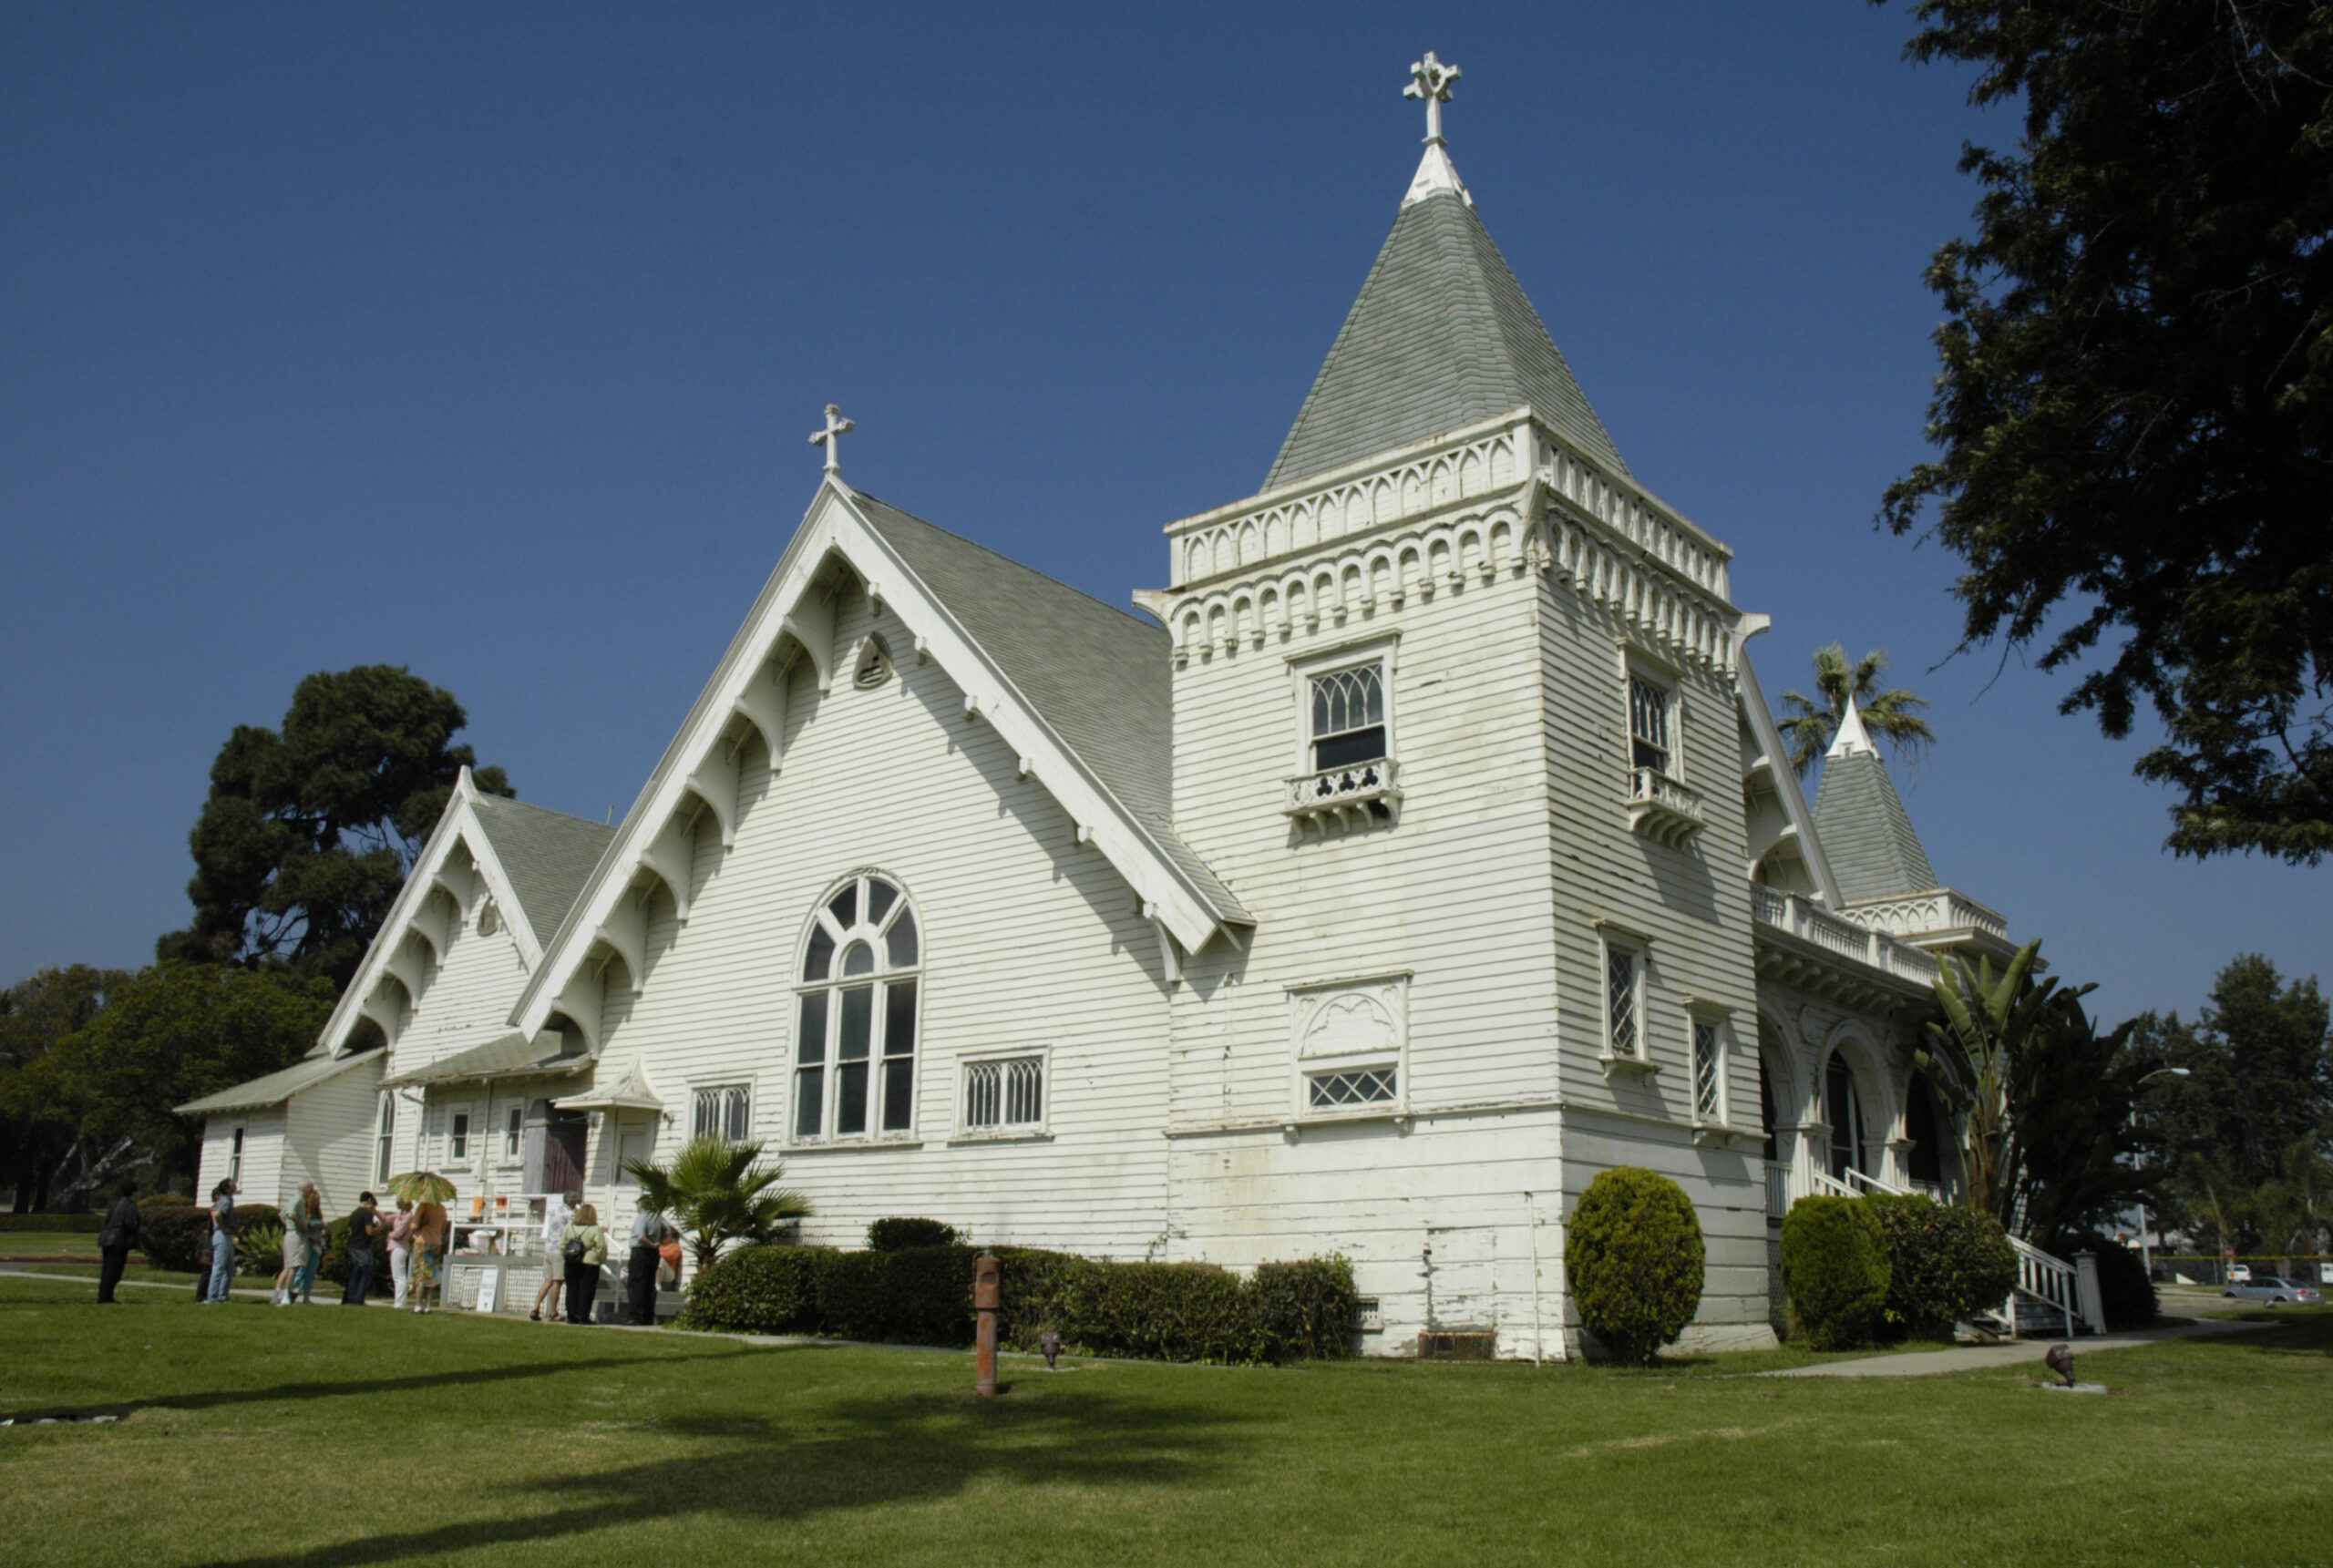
274,1088
1866,832
1442,336
508,1056
547,854
1099,676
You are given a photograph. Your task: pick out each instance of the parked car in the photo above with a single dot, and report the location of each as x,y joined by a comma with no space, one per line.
2239,1273
2270,1291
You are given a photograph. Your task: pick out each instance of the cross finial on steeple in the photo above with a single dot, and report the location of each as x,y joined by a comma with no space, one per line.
1430,79
831,437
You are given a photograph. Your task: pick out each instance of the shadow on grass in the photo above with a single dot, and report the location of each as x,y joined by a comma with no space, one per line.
868,1454
349,1388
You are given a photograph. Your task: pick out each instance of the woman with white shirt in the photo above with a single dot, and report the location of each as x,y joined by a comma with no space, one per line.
557,1212
401,1252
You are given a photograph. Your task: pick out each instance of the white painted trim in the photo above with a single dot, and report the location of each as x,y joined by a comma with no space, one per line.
788,609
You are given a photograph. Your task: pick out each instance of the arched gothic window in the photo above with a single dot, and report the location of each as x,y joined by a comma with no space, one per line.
1766,1111
1843,1107
855,1036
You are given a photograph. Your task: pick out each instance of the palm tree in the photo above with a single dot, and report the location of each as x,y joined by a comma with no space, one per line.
1891,716
1985,1022
717,1192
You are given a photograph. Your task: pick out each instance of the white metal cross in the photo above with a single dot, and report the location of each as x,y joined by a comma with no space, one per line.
1430,79
831,437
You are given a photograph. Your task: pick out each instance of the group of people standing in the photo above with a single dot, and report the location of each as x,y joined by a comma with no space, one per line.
575,1249
415,1235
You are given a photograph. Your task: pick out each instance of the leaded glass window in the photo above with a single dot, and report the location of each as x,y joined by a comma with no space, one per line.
1001,1095
1624,1001
1708,1072
724,1110
1649,704
855,1018
1348,717
1367,1086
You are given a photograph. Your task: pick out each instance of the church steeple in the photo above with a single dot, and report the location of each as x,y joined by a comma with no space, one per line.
1865,831
1440,336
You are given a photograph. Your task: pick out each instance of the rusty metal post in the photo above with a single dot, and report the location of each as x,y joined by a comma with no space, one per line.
987,1294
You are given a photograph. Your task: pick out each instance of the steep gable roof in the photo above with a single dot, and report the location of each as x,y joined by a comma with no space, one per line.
1100,677
547,854
1440,336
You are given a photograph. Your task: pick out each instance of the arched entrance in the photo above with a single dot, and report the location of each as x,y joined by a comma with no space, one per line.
1843,1107
1923,1128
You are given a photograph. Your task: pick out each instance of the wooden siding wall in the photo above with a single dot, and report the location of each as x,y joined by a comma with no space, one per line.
328,1135
466,997
1029,941
1456,893
1693,902
263,1177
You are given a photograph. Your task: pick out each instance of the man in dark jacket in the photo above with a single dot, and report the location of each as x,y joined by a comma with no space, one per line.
115,1239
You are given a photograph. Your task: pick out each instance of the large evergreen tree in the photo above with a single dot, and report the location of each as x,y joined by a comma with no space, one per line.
2256,1097
309,830
174,1032
2136,405
40,1123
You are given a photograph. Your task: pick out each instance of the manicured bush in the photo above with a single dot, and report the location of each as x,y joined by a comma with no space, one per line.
66,1225
1308,1309
900,1235
759,1290
1183,1312
2123,1288
1834,1265
1635,1262
174,1234
1944,1264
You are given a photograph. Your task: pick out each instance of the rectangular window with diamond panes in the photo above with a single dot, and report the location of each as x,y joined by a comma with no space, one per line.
1624,1001
1648,746
1708,1072
723,1111
1000,1096
1344,1090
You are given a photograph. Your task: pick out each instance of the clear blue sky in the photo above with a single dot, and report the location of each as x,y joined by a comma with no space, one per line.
485,340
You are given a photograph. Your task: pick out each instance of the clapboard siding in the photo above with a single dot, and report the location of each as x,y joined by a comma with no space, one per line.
466,998
1029,941
328,1135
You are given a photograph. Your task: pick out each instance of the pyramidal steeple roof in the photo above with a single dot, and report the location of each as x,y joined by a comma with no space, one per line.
1861,820
1442,336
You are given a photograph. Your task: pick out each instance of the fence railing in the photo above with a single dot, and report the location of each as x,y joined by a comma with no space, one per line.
2048,1280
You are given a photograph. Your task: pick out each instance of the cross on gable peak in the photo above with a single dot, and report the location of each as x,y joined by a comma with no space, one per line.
831,436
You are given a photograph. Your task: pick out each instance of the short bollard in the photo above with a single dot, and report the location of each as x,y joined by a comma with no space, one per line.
987,1294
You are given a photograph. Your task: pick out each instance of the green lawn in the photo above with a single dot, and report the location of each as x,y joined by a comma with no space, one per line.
325,1436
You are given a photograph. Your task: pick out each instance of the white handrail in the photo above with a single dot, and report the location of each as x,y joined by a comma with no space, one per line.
2048,1280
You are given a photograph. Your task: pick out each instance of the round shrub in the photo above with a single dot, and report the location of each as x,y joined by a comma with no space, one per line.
1635,1260
758,1290
900,1235
1944,1264
1834,1265
2123,1288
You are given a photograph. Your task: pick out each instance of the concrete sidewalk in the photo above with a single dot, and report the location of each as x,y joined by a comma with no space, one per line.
1975,1357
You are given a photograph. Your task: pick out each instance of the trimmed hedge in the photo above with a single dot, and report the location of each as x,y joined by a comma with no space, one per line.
1635,1260
2123,1288
67,1225
1834,1265
174,1234
1946,1263
900,1235
1180,1312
